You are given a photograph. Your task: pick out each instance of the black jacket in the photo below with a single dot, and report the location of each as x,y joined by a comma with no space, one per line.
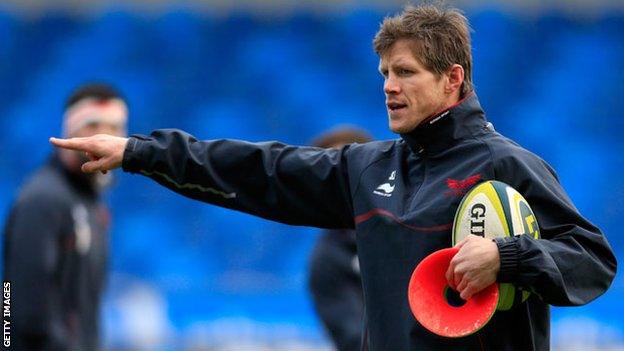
336,287
55,258
401,196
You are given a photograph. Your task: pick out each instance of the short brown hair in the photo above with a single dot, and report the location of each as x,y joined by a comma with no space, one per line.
441,36
94,90
341,136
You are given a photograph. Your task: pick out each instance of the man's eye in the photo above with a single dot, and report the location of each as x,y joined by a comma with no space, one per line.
404,72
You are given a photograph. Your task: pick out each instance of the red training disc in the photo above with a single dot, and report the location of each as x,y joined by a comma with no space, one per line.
426,295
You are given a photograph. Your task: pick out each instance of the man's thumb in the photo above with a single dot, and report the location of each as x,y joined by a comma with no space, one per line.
93,166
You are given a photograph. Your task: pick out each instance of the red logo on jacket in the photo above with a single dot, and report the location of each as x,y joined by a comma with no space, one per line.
460,187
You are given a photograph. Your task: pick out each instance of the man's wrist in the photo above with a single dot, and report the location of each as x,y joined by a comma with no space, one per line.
130,149
508,254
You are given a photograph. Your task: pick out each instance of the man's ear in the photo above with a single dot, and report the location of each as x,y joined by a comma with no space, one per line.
455,76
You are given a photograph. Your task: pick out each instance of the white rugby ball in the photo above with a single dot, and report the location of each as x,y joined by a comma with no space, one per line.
494,209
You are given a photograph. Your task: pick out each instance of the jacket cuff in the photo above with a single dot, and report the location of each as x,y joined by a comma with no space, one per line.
508,253
132,159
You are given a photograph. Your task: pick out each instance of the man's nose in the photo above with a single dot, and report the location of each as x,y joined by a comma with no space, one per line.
391,86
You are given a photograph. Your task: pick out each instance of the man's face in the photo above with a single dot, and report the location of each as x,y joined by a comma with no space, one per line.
413,93
90,118
94,128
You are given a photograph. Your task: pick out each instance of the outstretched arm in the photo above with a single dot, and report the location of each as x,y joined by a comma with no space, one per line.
293,185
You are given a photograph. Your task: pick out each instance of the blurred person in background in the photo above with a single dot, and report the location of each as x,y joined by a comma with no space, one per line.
56,236
334,273
400,195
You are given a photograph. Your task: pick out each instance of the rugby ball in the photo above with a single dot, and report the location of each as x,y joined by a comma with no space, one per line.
494,209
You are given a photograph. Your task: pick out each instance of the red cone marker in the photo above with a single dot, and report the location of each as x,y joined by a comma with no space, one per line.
428,296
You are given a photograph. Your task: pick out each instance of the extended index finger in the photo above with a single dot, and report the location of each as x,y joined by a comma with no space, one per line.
80,144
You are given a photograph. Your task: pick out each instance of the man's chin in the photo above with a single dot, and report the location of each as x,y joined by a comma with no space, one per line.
400,128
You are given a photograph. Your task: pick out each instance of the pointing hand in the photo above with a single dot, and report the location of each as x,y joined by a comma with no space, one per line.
104,151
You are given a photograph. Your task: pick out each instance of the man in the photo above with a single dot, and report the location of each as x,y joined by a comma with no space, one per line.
396,195
334,277
56,241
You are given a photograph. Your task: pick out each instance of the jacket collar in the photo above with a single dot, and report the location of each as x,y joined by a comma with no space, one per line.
445,128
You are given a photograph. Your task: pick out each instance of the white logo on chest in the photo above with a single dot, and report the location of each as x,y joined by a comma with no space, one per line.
386,189
82,229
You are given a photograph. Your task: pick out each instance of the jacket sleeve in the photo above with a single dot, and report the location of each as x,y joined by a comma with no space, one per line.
292,185
572,263
31,260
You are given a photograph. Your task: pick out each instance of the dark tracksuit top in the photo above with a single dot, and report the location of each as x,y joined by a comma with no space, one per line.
401,196
55,258
336,287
